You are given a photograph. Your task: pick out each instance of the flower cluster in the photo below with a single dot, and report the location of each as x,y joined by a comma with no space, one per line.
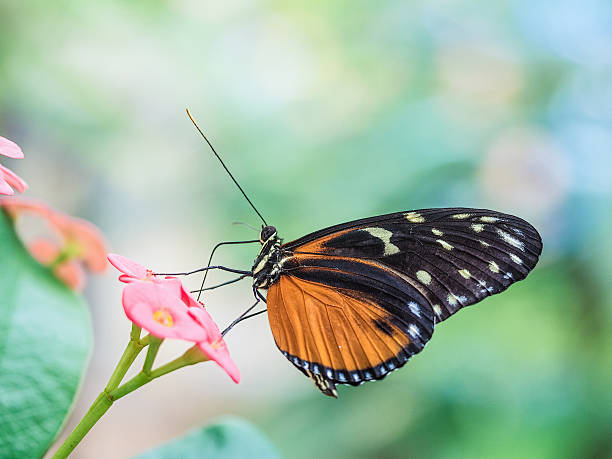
163,307
72,245
8,179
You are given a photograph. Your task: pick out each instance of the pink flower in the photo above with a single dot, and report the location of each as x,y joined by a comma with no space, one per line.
215,347
165,309
79,242
8,179
157,308
85,238
48,253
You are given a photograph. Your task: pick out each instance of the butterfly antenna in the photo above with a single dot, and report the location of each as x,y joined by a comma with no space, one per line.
224,166
247,225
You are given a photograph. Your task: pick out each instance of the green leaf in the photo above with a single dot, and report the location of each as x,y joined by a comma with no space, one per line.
45,339
228,438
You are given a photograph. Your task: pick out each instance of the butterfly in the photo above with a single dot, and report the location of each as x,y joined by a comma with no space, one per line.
353,302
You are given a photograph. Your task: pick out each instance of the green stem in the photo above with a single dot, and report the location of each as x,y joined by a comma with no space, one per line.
191,356
154,344
104,400
95,412
129,355
135,333
114,392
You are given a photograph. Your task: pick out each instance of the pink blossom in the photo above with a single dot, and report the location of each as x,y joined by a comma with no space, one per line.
84,237
8,179
164,308
48,253
79,243
158,309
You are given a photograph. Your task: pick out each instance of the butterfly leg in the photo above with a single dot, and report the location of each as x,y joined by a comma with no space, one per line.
253,315
208,268
220,285
240,317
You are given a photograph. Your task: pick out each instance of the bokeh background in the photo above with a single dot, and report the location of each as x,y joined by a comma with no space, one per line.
327,112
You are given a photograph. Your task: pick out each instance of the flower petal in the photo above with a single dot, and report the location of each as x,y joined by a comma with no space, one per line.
189,301
158,310
127,267
13,179
201,315
214,346
5,188
218,352
43,251
10,148
72,274
17,205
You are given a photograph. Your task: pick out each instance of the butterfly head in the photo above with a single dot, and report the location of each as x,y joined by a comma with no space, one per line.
267,232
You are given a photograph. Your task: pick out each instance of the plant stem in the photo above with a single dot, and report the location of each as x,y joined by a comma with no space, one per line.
104,400
191,356
114,392
95,412
129,355
135,333
154,344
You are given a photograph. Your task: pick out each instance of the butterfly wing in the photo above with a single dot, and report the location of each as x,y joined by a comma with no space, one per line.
455,257
357,300
346,321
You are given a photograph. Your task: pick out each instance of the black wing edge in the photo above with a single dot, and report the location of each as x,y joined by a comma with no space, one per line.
436,212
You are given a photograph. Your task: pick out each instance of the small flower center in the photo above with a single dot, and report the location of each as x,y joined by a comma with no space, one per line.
163,317
148,276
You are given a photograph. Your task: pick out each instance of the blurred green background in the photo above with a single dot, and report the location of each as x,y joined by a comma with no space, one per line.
326,112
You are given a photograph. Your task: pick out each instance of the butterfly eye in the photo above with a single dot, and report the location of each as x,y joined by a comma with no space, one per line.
266,233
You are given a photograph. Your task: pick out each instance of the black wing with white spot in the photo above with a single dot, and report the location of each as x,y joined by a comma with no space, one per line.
454,257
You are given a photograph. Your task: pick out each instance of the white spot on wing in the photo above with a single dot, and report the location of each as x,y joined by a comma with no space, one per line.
437,309
516,259
489,219
444,244
385,236
414,217
437,232
424,277
477,227
465,273
484,244
460,216
414,308
511,240
452,299
414,330
494,267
